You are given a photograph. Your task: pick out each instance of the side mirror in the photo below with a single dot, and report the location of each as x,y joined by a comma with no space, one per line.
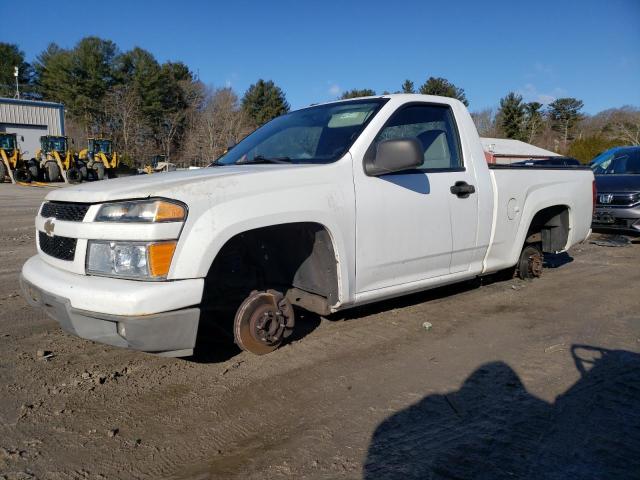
73,142
22,138
230,144
395,155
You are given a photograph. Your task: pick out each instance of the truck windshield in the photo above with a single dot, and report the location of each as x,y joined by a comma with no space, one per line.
626,161
7,142
59,144
320,134
103,146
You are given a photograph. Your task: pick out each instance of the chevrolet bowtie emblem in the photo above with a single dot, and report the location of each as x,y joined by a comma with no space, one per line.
49,227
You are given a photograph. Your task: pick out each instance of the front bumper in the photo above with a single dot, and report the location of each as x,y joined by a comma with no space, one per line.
621,219
171,333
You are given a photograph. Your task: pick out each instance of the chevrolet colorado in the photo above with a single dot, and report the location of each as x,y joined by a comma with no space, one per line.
325,208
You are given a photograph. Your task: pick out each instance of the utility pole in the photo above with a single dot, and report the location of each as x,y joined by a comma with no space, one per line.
15,74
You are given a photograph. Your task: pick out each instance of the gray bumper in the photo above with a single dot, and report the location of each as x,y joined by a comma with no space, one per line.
611,218
167,333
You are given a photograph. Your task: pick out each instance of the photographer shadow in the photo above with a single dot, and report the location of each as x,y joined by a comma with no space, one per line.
492,428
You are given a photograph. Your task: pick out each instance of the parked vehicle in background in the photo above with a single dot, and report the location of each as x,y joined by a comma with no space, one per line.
158,163
56,161
12,164
324,208
617,174
551,162
98,160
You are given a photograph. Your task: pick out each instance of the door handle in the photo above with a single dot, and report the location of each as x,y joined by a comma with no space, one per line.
462,189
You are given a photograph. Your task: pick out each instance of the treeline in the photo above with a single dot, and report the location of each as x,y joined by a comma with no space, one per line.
432,86
152,108
146,107
560,126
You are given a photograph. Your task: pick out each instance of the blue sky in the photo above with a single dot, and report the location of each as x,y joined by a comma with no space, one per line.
587,49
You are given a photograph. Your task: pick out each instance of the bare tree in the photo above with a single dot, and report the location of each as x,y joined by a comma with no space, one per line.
218,123
533,120
624,124
76,133
485,121
175,120
564,114
122,111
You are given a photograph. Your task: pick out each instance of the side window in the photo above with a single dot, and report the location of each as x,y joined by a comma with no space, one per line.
433,126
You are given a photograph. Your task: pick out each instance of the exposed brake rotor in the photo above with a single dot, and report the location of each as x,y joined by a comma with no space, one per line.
535,264
531,262
263,320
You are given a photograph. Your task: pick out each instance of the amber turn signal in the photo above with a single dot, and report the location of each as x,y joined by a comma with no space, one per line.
160,255
169,212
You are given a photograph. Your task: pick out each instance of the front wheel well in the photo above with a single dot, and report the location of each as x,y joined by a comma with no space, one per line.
297,259
550,228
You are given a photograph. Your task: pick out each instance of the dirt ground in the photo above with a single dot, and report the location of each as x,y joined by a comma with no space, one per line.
514,380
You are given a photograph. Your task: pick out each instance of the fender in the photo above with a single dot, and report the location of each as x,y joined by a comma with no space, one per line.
218,238
537,200
316,198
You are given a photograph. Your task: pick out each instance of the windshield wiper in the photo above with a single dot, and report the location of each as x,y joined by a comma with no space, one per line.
261,159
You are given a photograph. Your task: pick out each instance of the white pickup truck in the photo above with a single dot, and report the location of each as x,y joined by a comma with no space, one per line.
325,208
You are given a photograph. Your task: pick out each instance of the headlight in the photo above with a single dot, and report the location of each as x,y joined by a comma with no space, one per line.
136,260
148,211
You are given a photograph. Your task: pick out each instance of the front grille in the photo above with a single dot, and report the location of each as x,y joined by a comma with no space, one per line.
72,212
63,248
616,199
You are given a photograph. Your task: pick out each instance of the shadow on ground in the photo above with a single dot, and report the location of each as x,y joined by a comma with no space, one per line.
492,428
557,260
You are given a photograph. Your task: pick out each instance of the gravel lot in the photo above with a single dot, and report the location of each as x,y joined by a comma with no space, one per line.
514,380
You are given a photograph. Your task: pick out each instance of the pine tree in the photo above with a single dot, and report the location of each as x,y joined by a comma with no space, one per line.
355,93
141,70
533,120
564,114
80,77
407,87
444,88
511,116
264,101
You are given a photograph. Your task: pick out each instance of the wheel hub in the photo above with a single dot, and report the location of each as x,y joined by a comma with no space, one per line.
263,320
530,264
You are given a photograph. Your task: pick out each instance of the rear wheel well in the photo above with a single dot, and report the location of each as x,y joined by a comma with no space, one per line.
297,259
550,228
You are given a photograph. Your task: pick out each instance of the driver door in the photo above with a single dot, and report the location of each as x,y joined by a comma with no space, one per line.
405,220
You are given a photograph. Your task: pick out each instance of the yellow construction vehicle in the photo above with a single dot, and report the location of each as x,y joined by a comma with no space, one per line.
56,161
158,163
12,164
98,159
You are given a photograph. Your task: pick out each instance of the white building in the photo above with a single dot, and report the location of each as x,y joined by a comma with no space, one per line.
506,150
31,119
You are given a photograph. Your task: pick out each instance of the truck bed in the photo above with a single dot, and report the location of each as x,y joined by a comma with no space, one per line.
498,166
522,190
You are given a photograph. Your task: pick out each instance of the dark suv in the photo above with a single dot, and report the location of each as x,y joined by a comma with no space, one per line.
617,174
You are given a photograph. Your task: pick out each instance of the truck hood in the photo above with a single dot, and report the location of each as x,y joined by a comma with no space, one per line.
618,183
170,184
